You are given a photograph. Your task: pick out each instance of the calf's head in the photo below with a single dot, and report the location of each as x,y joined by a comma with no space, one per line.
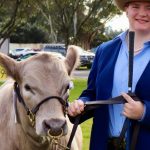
39,77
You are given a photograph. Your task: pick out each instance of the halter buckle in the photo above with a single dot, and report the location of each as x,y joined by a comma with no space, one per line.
31,117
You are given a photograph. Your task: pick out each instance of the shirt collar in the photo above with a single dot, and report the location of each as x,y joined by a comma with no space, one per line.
122,36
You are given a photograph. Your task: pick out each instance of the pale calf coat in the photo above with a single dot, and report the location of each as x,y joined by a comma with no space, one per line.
38,77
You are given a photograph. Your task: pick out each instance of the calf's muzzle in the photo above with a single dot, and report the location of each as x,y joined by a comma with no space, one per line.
55,127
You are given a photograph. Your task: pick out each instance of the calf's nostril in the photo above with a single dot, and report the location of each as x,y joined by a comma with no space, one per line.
54,126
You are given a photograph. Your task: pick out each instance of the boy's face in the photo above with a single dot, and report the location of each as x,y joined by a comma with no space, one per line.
138,14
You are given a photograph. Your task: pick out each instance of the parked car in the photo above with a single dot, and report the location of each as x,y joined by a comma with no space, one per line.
86,58
16,53
26,55
29,54
58,48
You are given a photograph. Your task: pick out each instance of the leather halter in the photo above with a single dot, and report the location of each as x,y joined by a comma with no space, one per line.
31,113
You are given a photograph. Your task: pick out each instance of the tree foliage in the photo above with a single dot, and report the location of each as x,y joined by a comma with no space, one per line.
69,21
28,32
12,14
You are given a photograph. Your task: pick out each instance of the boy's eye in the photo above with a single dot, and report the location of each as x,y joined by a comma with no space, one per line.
135,7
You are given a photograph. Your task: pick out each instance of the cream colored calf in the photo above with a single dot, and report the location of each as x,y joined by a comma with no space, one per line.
39,77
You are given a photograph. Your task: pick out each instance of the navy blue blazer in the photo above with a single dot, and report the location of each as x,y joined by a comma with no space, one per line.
100,87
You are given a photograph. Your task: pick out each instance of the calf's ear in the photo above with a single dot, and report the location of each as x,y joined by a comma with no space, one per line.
9,64
72,58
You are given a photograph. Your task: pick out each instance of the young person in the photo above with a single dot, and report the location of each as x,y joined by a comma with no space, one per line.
108,78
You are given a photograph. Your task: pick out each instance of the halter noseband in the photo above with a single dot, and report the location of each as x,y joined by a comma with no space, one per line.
31,113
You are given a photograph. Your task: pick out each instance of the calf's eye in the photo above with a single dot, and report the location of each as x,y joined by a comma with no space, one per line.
27,87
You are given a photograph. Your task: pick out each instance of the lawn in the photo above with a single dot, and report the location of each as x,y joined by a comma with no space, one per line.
79,85
1,83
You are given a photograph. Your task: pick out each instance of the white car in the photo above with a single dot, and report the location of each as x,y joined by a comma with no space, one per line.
32,53
20,51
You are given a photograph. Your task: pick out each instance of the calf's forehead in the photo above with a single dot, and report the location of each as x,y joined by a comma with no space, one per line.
44,62
45,70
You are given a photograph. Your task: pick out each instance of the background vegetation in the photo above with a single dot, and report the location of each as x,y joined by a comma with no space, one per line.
80,22
1,82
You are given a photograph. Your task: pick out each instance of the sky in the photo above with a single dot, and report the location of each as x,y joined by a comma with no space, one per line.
118,22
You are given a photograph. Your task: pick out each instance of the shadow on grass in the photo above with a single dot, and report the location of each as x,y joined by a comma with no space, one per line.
82,68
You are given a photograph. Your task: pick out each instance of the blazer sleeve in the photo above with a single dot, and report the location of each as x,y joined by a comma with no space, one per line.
89,94
146,119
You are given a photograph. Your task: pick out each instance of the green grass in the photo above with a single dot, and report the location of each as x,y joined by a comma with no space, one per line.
1,82
79,85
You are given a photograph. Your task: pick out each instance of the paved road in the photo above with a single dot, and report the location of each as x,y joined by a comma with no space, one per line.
81,74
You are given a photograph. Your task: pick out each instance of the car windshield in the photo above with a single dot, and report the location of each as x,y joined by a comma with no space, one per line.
26,56
55,48
18,50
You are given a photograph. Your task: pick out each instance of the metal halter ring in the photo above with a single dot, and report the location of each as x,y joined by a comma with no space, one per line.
55,140
55,137
31,117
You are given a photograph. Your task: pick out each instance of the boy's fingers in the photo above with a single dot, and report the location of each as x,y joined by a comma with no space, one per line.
127,97
76,107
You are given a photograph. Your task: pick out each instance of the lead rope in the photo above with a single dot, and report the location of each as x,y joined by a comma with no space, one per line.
76,123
